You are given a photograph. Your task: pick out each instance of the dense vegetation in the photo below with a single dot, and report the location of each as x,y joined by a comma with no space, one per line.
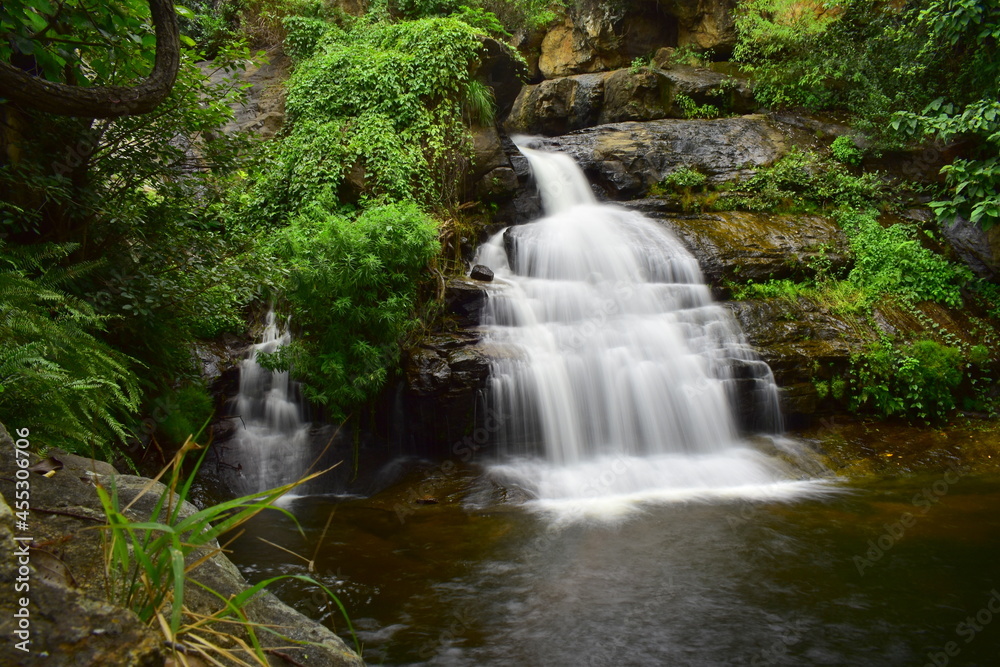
150,233
128,241
924,71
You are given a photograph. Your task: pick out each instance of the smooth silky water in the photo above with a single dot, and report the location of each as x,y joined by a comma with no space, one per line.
621,372
271,445
617,517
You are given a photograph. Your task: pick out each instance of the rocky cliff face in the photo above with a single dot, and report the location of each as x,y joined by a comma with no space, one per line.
599,36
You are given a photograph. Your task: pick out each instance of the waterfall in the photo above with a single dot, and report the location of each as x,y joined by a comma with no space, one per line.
620,373
272,444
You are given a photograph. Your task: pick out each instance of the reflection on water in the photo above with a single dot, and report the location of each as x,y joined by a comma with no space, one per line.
840,580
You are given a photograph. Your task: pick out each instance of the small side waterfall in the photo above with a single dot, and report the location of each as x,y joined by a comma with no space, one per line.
272,443
621,368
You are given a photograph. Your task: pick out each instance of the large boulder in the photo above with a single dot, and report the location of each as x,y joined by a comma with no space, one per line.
263,109
808,345
623,160
558,106
705,25
598,36
979,249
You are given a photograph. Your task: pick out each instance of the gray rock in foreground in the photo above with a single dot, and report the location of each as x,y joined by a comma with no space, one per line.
71,621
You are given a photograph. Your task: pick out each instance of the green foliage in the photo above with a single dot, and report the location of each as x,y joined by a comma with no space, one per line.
890,260
352,289
684,178
926,69
149,566
387,104
54,369
482,20
638,64
917,380
77,42
221,24
975,192
692,109
496,17
303,35
191,406
689,55
845,151
804,181
139,202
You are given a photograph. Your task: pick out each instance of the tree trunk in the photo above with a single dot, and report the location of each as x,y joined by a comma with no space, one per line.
104,101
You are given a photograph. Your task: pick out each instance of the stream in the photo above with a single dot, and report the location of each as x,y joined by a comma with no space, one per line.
887,572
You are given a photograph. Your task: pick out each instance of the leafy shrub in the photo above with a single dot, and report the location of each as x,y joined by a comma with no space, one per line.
891,260
803,181
497,17
917,380
845,151
191,406
389,104
692,109
352,292
684,178
302,35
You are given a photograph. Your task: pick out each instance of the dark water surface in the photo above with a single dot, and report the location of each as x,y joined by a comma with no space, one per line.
886,573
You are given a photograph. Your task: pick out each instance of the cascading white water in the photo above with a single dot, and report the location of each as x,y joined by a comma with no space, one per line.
620,365
273,439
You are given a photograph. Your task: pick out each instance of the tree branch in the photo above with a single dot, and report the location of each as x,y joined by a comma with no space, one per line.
104,101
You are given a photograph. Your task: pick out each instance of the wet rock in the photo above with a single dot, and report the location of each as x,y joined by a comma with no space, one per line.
500,184
263,111
427,371
706,86
623,160
465,299
706,25
480,272
738,247
557,106
445,377
802,345
980,250
487,151
642,95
